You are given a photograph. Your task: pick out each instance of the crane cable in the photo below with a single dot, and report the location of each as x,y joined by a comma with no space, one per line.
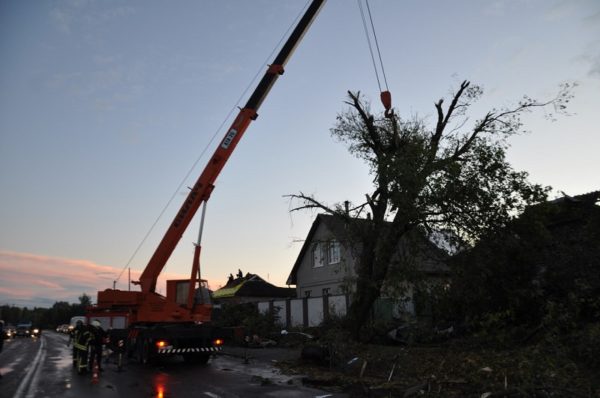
386,96
217,131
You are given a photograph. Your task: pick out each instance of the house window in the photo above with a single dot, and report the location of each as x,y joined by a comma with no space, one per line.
334,252
307,293
326,291
318,255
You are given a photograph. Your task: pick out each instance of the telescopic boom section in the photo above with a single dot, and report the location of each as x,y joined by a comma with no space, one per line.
203,187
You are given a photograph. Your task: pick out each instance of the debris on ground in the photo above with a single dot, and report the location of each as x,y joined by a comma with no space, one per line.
456,369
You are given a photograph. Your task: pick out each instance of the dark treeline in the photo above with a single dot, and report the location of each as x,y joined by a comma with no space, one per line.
45,318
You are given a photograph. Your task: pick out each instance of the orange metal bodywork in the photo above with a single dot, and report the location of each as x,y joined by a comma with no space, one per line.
149,307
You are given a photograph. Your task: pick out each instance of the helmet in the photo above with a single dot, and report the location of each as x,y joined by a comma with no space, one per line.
96,323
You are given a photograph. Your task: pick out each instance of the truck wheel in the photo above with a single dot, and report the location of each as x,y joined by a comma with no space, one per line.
120,361
130,350
196,359
144,354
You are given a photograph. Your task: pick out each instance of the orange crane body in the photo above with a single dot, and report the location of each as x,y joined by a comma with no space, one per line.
146,313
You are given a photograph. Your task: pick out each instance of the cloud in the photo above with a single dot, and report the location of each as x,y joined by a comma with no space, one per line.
560,10
61,19
36,280
595,66
591,56
80,14
496,8
592,20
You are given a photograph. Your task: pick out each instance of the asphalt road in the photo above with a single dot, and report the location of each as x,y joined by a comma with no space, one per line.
39,368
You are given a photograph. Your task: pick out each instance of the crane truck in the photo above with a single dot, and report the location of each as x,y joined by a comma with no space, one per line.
148,325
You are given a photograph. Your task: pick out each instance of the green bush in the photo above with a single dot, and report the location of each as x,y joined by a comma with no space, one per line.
249,318
541,270
585,345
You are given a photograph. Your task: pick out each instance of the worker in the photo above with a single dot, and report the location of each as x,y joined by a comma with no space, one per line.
81,343
73,337
97,340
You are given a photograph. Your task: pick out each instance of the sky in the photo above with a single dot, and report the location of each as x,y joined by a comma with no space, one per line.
107,106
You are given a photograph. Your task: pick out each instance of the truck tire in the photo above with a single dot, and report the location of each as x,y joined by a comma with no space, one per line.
196,359
119,361
144,355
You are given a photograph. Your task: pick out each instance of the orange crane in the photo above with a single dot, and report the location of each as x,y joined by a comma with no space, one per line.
150,324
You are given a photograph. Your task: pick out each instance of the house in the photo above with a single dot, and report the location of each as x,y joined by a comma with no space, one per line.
250,288
326,263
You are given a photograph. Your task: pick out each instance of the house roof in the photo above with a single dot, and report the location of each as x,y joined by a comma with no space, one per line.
590,198
570,209
337,226
252,285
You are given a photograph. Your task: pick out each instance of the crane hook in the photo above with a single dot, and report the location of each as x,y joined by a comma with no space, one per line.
386,100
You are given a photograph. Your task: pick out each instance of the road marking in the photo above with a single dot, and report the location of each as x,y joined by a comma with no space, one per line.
32,373
211,395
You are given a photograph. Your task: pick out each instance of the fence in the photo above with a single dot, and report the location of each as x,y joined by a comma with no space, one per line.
307,311
312,311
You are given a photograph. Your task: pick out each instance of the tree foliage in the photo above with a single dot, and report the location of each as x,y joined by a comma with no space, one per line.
60,313
248,317
543,269
450,177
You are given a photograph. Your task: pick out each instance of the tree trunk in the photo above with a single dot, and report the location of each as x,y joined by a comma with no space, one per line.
374,262
372,269
361,308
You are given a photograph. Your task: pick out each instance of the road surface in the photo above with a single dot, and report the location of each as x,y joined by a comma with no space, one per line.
39,368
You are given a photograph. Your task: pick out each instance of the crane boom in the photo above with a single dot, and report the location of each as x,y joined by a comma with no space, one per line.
203,187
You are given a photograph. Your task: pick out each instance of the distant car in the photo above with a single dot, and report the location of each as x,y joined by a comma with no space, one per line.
9,331
63,328
36,332
27,330
23,330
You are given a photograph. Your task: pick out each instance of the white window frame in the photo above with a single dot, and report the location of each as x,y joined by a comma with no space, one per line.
334,255
318,258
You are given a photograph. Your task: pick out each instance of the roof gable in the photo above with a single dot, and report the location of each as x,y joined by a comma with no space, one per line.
307,243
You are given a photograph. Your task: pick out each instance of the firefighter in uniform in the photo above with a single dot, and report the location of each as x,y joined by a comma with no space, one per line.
81,343
97,340
73,337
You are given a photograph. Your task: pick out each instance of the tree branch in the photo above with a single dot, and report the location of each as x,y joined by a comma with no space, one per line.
309,203
442,121
368,121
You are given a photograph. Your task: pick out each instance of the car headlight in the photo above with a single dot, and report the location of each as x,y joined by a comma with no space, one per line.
36,331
